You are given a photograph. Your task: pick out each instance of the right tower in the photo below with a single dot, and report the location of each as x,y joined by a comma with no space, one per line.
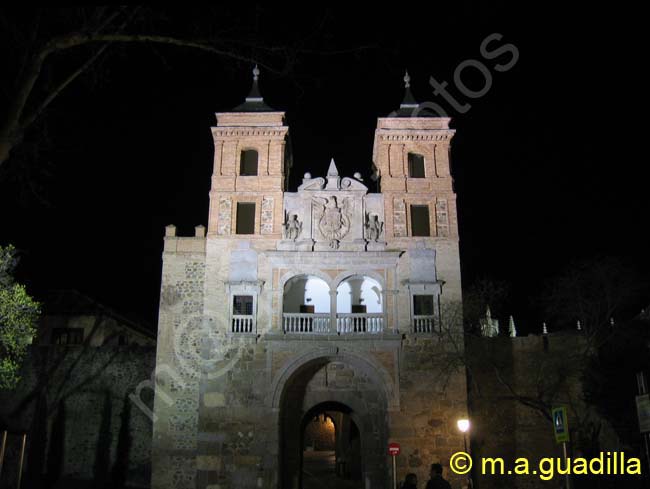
411,158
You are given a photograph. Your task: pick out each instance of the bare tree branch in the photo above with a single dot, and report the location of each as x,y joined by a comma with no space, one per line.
36,113
17,122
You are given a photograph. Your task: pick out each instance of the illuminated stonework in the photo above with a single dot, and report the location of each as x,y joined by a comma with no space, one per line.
328,300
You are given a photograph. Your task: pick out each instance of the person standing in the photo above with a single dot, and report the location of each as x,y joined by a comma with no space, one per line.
410,482
436,481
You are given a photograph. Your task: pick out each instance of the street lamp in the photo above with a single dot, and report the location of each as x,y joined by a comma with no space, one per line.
463,427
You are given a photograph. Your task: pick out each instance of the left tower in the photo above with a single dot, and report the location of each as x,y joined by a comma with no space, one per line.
251,165
252,160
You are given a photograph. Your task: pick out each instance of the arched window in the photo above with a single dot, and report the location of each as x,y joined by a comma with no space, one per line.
306,294
248,163
416,165
359,294
306,305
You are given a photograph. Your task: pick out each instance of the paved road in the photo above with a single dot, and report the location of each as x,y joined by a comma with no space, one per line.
318,472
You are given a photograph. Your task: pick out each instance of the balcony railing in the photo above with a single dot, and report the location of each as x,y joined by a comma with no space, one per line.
319,323
305,322
359,323
423,324
243,323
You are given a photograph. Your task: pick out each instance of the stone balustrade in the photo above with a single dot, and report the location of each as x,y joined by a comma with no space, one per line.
423,324
359,323
306,322
243,323
345,323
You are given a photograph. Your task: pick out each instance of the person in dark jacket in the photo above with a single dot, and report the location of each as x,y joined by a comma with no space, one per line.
436,481
410,482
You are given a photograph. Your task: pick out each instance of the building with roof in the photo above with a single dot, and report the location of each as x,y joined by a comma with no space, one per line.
72,318
329,302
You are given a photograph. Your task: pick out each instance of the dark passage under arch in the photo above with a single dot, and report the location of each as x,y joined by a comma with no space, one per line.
331,448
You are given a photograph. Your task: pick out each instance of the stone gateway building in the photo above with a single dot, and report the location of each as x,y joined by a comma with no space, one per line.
330,305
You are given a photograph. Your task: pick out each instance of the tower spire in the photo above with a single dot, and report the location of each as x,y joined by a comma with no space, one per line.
409,101
254,101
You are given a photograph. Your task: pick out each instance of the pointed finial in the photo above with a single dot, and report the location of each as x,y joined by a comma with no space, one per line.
578,325
488,313
332,171
512,329
544,329
256,73
407,79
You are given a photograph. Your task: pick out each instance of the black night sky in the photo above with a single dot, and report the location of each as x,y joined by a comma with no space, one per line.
544,163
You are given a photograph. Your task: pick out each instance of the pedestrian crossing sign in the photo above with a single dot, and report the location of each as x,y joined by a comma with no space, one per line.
560,425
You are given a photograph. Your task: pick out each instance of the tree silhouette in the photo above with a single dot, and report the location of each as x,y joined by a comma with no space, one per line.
104,440
37,441
121,466
56,452
47,50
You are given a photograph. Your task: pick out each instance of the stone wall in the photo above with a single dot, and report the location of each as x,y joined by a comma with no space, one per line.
432,398
413,385
73,404
513,383
178,361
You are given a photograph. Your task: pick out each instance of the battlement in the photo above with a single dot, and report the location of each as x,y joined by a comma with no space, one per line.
184,244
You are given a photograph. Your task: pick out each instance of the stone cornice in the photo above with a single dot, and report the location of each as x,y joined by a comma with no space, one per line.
237,132
410,135
324,259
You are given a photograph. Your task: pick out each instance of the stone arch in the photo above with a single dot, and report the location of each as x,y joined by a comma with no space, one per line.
320,291
368,365
321,323
343,276
305,271
346,420
298,388
362,290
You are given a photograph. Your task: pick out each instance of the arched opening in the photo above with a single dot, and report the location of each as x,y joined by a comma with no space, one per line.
248,163
359,306
306,305
331,449
351,393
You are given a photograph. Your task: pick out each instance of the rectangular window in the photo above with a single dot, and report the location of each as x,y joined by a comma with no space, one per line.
423,305
420,220
416,165
242,305
67,336
248,166
245,218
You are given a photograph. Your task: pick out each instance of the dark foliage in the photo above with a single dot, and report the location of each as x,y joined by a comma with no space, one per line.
103,448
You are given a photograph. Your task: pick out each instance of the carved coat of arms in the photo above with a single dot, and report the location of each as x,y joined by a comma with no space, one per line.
334,222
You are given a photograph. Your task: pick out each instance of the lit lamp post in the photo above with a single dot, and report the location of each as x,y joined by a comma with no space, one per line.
463,427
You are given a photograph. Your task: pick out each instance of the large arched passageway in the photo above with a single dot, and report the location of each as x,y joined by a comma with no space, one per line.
349,391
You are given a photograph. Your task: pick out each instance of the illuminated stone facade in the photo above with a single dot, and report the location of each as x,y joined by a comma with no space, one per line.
327,299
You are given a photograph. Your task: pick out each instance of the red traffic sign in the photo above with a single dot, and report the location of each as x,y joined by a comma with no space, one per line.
393,449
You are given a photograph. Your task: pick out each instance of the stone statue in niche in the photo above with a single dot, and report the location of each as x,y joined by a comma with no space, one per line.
334,222
374,227
292,227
